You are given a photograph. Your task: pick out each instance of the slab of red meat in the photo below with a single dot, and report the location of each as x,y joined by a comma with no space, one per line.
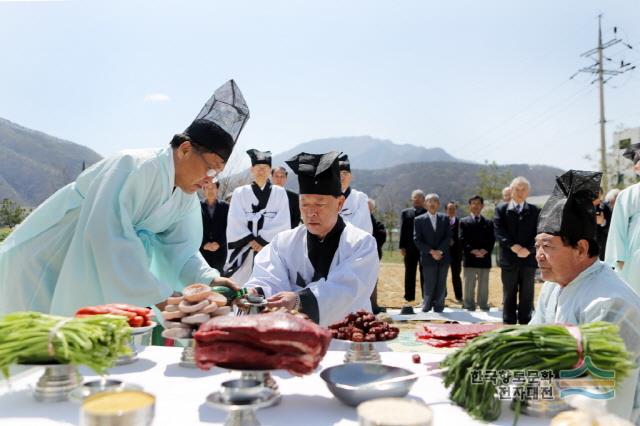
275,340
452,335
455,331
445,343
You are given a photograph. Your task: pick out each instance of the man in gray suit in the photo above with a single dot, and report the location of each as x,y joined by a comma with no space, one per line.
432,235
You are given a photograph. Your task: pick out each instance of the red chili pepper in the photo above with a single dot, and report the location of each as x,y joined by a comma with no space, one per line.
131,308
136,321
93,310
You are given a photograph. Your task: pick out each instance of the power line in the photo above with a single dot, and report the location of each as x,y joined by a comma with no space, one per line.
603,75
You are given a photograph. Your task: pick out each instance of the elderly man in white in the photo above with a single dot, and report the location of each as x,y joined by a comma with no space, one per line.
579,288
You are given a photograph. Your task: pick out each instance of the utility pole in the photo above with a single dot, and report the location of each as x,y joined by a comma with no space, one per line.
603,145
598,69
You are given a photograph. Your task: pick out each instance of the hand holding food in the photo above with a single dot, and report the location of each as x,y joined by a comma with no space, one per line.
184,314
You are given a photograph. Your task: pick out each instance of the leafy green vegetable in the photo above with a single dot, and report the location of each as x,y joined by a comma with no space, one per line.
529,347
32,337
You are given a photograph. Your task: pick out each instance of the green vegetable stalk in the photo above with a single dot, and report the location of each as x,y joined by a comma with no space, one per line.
32,337
534,347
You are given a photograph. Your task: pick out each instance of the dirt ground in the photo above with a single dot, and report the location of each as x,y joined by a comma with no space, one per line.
391,287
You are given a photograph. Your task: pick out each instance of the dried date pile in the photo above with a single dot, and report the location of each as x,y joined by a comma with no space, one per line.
362,326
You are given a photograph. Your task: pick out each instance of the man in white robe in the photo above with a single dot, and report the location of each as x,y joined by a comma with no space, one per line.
128,229
327,267
356,204
623,242
579,288
257,213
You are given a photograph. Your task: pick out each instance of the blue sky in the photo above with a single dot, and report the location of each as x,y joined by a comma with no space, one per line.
485,80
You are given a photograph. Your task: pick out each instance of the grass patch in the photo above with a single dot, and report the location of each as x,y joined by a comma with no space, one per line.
4,233
391,256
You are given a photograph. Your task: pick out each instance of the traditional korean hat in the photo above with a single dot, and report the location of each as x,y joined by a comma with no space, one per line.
317,173
259,157
344,163
632,153
569,212
220,121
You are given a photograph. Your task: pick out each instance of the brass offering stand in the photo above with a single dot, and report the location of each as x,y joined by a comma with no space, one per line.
137,335
57,381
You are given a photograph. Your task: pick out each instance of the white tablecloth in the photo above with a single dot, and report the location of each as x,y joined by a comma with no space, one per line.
181,394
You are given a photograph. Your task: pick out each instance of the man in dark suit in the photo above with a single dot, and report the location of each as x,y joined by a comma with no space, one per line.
432,235
279,177
455,250
408,248
603,221
477,239
515,228
214,224
380,234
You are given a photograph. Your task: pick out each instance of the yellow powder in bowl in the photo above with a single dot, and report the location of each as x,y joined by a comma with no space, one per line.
107,403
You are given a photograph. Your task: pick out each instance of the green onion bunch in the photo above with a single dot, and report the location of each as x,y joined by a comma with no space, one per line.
529,347
95,341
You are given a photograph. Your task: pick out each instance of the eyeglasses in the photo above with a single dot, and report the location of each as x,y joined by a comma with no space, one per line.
212,170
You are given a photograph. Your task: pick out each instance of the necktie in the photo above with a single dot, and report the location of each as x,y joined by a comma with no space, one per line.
477,219
518,208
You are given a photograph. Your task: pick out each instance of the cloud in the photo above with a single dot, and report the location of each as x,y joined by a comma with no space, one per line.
156,97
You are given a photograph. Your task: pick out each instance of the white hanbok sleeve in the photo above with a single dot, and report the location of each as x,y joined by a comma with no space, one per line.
270,271
362,217
348,284
281,221
621,242
237,229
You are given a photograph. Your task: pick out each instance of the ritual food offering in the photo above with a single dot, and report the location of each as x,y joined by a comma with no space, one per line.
532,348
184,314
451,335
362,326
96,341
274,340
122,407
136,316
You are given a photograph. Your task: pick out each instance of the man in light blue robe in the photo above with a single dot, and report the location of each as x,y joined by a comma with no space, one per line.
129,228
623,242
578,287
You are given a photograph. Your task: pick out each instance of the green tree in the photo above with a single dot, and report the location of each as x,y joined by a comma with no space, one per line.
491,181
11,213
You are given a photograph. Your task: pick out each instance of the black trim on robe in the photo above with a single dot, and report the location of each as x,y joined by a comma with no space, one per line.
309,305
321,252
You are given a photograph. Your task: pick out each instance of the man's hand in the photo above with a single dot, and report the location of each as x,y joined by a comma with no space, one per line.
523,252
213,246
600,218
436,254
516,248
403,252
255,246
227,282
163,304
284,299
483,252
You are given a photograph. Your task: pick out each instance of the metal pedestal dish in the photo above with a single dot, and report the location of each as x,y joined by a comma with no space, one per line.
187,358
57,381
364,352
263,377
241,405
138,335
101,385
